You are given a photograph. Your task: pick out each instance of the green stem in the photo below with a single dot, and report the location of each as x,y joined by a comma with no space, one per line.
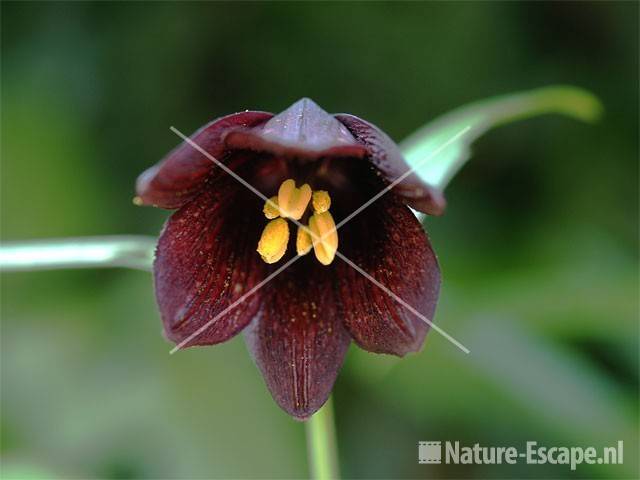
321,444
131,251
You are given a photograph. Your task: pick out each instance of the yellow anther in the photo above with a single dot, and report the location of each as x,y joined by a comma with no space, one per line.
271,209
325,237
273,241
303,241
293,201
321,201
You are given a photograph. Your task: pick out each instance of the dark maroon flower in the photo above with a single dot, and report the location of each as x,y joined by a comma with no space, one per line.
316,169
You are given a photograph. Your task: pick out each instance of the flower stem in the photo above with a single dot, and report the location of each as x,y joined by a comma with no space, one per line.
131,251
322,445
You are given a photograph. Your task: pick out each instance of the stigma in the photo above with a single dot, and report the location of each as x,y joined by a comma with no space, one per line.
292,203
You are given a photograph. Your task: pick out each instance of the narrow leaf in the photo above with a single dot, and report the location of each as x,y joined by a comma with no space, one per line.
482,116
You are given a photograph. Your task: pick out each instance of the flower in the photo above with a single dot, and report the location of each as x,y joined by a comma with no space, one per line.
315,169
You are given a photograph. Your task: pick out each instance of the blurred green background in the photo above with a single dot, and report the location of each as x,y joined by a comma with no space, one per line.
539,247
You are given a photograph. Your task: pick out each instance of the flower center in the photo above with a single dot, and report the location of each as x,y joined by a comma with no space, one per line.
291,202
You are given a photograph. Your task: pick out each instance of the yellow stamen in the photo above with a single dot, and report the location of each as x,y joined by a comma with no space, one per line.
271,209
293,201
325,239
273,241
303,241
321,201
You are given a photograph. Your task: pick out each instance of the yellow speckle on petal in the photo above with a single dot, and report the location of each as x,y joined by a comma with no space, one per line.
273,241
271,209
325,237
293,201
303,241
321,201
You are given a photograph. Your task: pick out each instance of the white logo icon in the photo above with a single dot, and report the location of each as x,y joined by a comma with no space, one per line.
429,452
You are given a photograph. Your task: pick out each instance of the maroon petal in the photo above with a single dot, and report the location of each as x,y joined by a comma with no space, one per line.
180,176
304,130
385,155
299,341
205,261
388,242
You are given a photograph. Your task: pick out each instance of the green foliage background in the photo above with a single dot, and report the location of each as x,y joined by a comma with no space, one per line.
539,247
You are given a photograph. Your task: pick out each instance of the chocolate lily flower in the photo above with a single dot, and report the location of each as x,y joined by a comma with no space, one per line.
315,169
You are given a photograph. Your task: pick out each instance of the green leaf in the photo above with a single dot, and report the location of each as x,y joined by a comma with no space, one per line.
438,167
